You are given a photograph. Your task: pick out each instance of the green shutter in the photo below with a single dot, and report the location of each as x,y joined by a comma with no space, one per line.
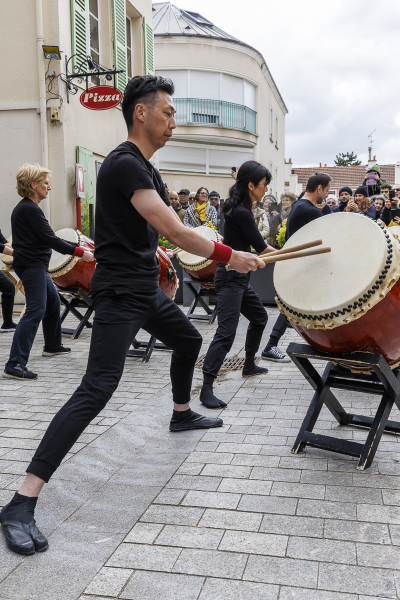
80,31
85,157
119,34
148,36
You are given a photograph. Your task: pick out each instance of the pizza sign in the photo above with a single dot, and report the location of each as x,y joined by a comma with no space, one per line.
101,97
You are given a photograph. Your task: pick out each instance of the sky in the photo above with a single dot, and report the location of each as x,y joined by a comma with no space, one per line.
336,65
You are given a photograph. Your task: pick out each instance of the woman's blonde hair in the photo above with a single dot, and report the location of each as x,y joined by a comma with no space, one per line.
28,174
365,205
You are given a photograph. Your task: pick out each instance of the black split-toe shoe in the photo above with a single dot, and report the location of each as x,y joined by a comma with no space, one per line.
24,539
194,421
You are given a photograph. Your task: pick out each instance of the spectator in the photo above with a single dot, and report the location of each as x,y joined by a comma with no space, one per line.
184,198
332,202
391,211
275,221
362,204
379,203
287,201
201,212
373,181
215,202
261,220
192,197
323,207
174,199
166,188
385,189
345,193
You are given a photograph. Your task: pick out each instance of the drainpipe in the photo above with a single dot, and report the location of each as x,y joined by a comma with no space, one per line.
42,97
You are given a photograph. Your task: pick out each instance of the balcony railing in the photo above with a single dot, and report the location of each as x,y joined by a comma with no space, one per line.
196,111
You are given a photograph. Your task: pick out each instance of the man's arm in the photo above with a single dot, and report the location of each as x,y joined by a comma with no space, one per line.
150,206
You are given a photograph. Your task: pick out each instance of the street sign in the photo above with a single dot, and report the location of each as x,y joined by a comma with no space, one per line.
101,97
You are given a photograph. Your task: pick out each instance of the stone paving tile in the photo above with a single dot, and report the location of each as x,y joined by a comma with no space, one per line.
173,515
153,586
356,580
281,570
301,490
229,519
371,555
268,504
211,499
139,556
359,495
328,510
144,533
300,594
245,486
225,589
254,543
354,531
109,581
189,482
322,550
211,563
190,537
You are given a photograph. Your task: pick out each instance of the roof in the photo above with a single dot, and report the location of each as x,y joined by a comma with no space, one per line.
351,176
169,20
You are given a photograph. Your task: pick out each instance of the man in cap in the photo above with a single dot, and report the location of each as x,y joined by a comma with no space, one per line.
345,193
184,198
214,201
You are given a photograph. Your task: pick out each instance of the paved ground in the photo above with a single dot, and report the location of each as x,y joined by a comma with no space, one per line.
139,513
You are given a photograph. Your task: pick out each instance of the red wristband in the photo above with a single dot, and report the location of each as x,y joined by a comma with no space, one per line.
79,252
221,253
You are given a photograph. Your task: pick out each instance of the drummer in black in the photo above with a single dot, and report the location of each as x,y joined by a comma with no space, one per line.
131,208
235,294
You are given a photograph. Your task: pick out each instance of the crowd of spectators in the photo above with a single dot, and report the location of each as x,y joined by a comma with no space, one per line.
374,199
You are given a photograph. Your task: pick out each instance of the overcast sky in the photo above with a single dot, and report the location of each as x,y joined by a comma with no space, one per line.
336,65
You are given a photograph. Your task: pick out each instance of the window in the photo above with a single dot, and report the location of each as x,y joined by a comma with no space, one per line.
276,131
180,79
94,35
129,57
204,84
232,89
196,158
276,181
271,124
271,170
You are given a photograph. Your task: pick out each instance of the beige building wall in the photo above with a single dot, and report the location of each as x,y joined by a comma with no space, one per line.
181,52
98,131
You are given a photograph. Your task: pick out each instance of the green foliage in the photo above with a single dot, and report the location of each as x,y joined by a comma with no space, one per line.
85,213
346,159
280,238
162,241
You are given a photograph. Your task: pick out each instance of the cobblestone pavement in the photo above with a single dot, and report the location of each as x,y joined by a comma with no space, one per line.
136,512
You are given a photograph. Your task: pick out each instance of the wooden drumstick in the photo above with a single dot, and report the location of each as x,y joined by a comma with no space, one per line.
294,248
289,255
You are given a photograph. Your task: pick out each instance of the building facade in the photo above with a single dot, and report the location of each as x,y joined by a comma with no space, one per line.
229,108
39,121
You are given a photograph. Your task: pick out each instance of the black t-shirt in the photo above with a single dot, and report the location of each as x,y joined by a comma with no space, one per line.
303,212
241,231
33,238
125,243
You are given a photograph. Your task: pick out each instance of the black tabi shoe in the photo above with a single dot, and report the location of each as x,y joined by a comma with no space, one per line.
194,421
24,539
253,371
56,351
8,328
19,372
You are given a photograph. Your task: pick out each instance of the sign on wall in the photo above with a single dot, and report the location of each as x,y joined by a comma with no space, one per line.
80,181
101,97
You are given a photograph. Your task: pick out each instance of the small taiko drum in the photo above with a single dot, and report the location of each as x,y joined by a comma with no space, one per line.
69,271
168,280
198,267
6,258
349,299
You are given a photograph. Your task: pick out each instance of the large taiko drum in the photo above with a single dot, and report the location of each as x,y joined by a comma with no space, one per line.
198,267
69,271
168,280
349,299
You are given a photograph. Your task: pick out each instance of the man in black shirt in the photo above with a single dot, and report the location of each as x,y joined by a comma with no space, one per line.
303,211
131,208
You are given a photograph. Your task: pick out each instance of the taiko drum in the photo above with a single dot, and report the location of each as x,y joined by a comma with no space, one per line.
69,271
199,267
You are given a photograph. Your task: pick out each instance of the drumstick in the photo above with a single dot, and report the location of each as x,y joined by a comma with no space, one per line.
176,250
271,259
294,248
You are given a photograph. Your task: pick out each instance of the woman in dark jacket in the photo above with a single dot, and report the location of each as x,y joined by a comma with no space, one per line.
33,239
234,293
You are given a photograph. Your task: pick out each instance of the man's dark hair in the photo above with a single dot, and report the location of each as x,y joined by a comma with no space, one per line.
316,180
143,88
386,186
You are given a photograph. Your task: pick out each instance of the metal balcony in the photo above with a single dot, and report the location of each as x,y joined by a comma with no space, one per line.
215,113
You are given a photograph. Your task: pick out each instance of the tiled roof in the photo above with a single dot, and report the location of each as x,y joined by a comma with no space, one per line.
352,176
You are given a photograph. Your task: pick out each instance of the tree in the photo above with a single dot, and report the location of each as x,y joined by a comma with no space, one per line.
346,159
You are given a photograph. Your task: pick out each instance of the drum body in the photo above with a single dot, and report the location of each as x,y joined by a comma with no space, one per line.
168,280
347,300
68,271
196,266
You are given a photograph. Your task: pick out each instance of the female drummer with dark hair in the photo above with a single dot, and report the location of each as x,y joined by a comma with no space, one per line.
235,294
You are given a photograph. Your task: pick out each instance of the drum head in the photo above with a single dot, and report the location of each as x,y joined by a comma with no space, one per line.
7,260
188,259
57,260
328,282
395,231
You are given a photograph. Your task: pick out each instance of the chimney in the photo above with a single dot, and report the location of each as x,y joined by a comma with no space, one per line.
290,160
325,165
320,164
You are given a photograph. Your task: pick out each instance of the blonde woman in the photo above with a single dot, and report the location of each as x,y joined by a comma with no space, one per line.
33,240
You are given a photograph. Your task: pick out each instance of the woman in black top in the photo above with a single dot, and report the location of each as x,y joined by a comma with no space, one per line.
235,294
33,240
7,290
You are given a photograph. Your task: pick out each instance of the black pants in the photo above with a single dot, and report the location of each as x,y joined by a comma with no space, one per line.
278,331
42,304
235,297
7,290
119,314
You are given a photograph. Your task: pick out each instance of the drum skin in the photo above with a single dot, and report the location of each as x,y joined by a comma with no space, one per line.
373,332
81,273
168,280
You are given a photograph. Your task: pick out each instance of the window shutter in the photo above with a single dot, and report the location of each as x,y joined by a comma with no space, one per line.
119,33
80,31
148,36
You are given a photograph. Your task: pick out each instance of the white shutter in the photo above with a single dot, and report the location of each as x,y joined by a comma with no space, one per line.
182,158
221,161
